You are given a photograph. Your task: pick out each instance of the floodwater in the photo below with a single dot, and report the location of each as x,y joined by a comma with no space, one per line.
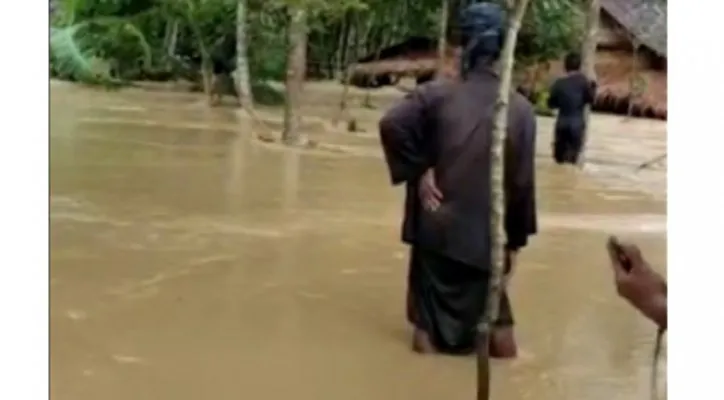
190,262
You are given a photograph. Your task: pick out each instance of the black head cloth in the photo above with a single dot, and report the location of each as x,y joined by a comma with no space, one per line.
482,28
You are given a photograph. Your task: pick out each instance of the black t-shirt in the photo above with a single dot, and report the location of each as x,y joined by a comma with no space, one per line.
570,94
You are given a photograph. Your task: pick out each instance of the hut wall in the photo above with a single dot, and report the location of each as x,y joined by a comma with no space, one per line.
614,71
417,64
611,35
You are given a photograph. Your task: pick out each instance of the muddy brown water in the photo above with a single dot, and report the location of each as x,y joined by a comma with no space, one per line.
189,262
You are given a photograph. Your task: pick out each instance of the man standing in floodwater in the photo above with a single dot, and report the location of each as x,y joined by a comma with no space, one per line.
437,141
570,95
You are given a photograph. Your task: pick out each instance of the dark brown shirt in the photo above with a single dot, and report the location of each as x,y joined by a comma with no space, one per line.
448,126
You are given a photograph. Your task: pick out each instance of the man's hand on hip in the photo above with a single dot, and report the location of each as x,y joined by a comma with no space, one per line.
429,193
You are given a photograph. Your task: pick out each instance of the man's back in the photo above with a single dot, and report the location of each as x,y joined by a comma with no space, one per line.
570,94
464,135
456,135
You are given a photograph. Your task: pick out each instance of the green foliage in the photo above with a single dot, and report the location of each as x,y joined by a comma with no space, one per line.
99,41
75,54
267,40
551,29
266,94
541,103
69,61
112,41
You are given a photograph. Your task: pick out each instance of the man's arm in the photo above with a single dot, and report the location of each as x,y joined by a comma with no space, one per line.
553,95
521,220
590,95
404,134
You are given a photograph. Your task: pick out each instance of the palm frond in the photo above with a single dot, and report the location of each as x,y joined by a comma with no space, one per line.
70,60
129,28
75,58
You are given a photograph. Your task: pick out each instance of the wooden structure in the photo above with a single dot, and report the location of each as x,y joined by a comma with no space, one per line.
631,53
416,57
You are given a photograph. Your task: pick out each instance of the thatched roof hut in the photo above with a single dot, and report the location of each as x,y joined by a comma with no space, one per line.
625,25
415,57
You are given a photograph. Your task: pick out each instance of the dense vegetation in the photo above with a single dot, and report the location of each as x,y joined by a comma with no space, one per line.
114,41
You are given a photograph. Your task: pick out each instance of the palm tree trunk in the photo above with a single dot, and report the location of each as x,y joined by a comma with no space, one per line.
492,306
243,84
296,70
588,52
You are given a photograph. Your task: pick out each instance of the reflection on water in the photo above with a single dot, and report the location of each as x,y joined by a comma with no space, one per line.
189,262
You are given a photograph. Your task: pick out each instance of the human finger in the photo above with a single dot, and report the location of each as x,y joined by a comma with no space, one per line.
431,204
614,255
425,194
435,191
434,204
633,254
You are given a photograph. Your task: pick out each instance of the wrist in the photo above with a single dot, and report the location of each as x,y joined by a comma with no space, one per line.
656,310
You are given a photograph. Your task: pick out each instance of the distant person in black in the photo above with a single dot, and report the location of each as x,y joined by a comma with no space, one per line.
223,62
570,95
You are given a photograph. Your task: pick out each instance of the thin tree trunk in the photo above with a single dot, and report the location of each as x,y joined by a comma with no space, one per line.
362,43
367,101
442,38
173,42
588,52
349,69
167,33
633,80
243,78
345,93
453,24
341,46
207,77
497,149
296,68
170,39
401,28
207,74
385,38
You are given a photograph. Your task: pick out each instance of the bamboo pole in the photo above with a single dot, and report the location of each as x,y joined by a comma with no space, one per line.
442,39
588,53
495,288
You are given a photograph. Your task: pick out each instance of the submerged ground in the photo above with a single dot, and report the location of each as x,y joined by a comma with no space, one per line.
190,262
